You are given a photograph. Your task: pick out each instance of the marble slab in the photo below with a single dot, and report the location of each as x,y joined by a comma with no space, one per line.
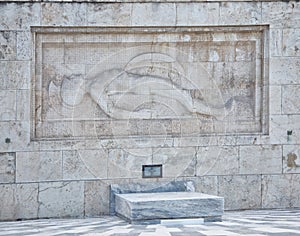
153,207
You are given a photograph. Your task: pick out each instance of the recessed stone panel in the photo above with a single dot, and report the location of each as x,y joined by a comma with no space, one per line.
116,82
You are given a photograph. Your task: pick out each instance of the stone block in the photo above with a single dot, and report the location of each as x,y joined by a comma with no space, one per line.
284,70
280,124
276,42
280,191
281,14
291,41
258,159
8,105
18,134
240,192
109,14
61,199
7,167
18,201
290,99
240,13
215,160
17,16
128,163
157,14
147,186
176,161
39,166
14,75
63,14
290,159
24,45
23,105
96,198
275,101
153,207
85,164
197,13
204,184
8,45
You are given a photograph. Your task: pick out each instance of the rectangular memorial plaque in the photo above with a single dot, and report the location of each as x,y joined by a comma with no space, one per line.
152,171
149,81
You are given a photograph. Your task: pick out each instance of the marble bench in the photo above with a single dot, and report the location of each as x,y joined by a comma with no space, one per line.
150,208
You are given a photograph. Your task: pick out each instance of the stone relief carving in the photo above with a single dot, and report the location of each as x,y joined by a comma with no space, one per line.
147,78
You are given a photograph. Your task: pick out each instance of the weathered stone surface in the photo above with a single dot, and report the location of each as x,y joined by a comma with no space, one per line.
205,184
290,99
18,134
275,102
275,42
280,124
176,161
61,199
260,159
139,207
281,14
14,75
197,13
280,191
290,158
96,198
19,16
23,105
284,70
19,201
291,41
240,13
63,14
24,45
216,160
240,192
85,164
153,14
38,166
128,163
109,14
7,167
8,42
8,105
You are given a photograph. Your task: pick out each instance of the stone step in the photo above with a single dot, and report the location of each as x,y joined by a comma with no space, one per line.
154,207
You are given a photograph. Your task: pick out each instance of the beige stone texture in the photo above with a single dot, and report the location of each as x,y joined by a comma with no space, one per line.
281,14
216,160
240,192
38,166
197,13
290,159
280,124
19,16
7,167
8,41
153,14
109,14
14,75
61,199
63,14
127,163
240,13
85,164
19,201
176,161
8,105
96,198
275,100
284,70
290,99
276,42
291,42
24,45
259,159
280,191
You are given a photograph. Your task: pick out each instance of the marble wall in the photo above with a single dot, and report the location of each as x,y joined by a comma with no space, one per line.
57,161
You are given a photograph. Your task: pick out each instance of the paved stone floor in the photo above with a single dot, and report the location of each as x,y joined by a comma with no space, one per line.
264,222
